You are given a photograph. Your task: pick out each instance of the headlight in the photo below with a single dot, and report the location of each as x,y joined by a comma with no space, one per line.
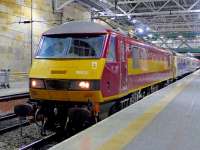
84,85
37,83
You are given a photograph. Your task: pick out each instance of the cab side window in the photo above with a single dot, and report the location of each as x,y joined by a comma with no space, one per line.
111,51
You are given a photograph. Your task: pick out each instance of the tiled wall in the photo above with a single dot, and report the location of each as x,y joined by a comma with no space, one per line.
76,12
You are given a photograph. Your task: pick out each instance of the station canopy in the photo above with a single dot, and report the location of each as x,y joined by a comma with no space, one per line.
173,24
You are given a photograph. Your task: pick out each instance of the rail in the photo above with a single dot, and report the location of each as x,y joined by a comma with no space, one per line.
14,97
8,116
41,142
13,127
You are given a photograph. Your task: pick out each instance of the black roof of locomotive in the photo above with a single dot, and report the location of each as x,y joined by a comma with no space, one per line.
77,27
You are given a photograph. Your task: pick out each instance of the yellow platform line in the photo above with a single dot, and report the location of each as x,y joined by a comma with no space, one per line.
128,134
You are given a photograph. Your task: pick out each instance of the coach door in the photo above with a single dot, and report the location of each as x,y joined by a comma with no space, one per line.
123,64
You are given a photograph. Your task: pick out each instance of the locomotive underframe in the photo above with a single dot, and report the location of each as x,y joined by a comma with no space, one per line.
73,117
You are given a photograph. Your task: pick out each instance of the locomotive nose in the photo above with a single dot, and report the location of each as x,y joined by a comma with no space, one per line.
66,80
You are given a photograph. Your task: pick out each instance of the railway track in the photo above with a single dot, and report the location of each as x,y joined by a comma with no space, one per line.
41,142
14,97
10,121
10,128
8,116
13,127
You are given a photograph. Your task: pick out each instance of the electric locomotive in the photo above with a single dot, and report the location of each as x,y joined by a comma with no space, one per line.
83,72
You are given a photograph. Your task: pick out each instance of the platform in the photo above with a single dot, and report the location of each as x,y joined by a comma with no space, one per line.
16,87
165,120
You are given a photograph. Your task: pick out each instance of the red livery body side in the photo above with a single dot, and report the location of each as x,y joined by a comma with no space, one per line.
136,65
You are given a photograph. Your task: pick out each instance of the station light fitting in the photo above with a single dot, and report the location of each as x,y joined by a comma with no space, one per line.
147,28
189,54
197,36
104,1
150,35
133,20
180,36
140,30
129,17
94,9
169,41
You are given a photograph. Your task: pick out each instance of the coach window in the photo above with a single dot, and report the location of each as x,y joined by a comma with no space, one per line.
123,49
111,51
135,57
168,59
143,53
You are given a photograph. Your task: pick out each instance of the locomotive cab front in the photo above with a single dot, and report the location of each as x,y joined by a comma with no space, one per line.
68,68
84,71
74,73
65,77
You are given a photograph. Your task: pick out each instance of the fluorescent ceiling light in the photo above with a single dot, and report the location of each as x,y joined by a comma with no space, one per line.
180,36
134,21
140,30
150,35
147,28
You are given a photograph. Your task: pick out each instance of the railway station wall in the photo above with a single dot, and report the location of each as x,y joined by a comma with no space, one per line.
15,37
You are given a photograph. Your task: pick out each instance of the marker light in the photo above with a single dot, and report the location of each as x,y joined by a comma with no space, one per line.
84,84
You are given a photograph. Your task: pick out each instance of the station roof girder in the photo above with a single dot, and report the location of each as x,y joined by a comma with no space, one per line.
169,18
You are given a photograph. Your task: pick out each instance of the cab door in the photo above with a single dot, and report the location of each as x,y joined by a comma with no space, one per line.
123,64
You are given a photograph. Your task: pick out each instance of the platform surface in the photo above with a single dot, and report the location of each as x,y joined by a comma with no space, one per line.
16,87
165,120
